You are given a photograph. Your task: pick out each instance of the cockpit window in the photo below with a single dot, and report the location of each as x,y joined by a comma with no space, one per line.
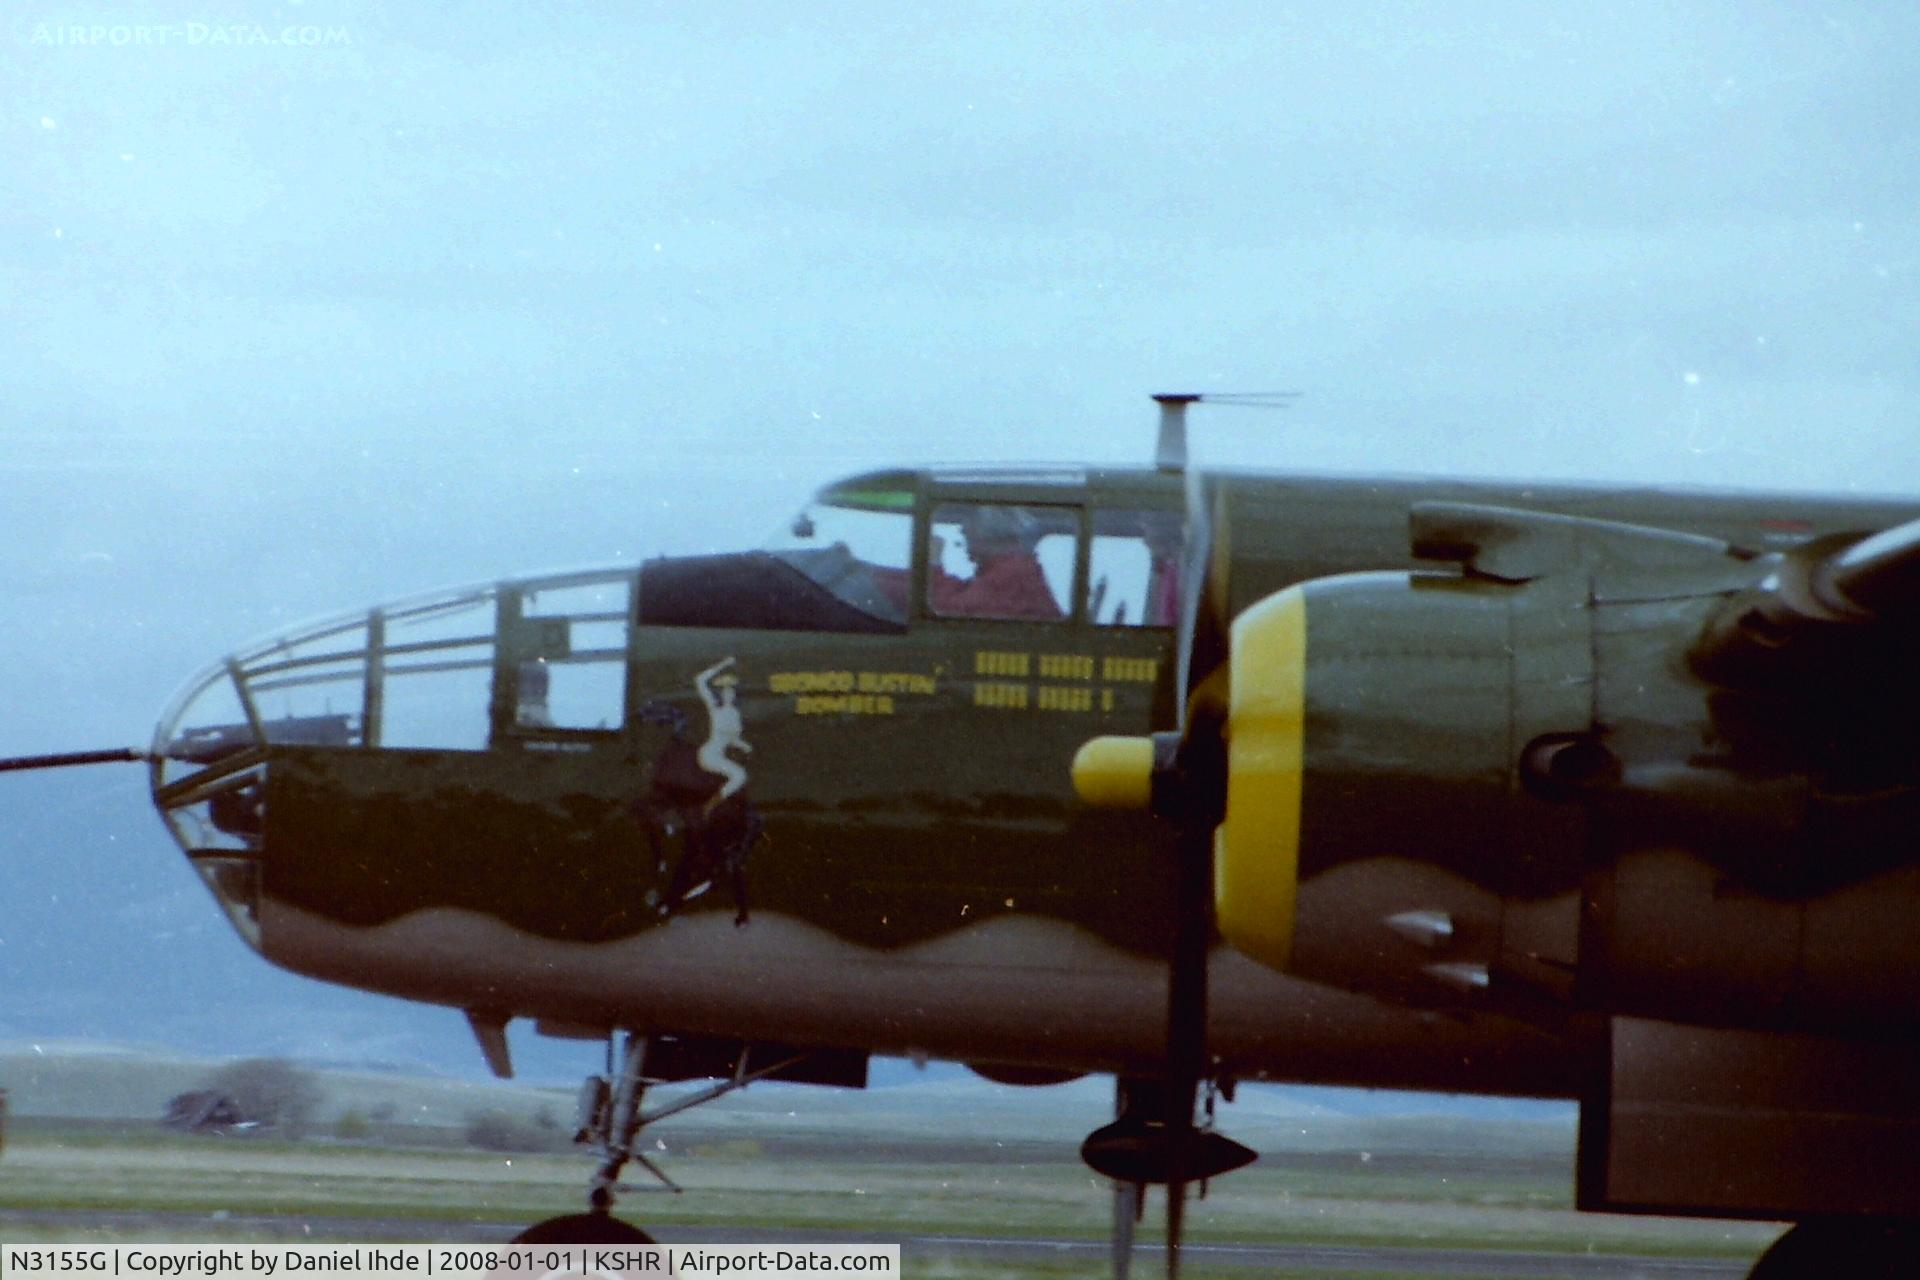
1000,560
858,546
1134,569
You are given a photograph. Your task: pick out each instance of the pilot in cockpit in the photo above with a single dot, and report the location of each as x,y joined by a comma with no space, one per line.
1007,580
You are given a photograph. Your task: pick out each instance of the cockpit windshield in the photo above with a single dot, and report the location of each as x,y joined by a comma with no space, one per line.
856,544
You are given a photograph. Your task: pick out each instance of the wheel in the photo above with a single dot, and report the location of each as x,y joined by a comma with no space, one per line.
1842,1249
583,1228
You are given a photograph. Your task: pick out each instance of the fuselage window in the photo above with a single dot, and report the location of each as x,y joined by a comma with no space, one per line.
571,655
1134,568
999,560
436,675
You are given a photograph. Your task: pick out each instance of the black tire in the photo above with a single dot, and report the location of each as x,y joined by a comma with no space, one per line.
1843,1249
583,1228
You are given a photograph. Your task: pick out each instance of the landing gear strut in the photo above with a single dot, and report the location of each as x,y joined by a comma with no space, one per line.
611,1118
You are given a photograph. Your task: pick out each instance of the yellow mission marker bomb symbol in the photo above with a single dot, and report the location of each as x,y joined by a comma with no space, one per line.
1114,772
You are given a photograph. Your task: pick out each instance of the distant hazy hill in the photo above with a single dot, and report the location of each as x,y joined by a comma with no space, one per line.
130,1082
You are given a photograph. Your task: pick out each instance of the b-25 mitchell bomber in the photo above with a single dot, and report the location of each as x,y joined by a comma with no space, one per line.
1188,779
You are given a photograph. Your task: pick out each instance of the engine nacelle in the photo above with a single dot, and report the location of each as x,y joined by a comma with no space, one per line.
1667,783
1378,820
1517,785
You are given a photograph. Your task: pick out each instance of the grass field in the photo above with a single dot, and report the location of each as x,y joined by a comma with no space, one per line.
901,1162
916,1187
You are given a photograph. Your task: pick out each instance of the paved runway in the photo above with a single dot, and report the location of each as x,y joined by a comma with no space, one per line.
21,1225
1306,1259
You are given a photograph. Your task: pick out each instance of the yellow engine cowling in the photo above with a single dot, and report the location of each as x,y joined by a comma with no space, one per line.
1379,833
1372,806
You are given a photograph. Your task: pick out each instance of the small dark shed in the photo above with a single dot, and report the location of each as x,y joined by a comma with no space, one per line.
204,1111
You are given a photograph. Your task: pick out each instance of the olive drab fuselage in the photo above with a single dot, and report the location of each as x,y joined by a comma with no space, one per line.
821,797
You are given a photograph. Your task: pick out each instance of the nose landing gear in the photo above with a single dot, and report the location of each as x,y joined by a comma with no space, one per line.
612,1115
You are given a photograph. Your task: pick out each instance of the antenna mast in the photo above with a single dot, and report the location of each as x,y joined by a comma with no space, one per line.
1170,454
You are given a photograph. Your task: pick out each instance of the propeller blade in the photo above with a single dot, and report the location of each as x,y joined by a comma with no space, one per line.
1212,621
1126,1212
1176,1226
1200,764
1187,1017
1182,778
1195,560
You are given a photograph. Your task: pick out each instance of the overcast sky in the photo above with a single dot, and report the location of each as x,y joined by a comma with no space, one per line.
308,305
